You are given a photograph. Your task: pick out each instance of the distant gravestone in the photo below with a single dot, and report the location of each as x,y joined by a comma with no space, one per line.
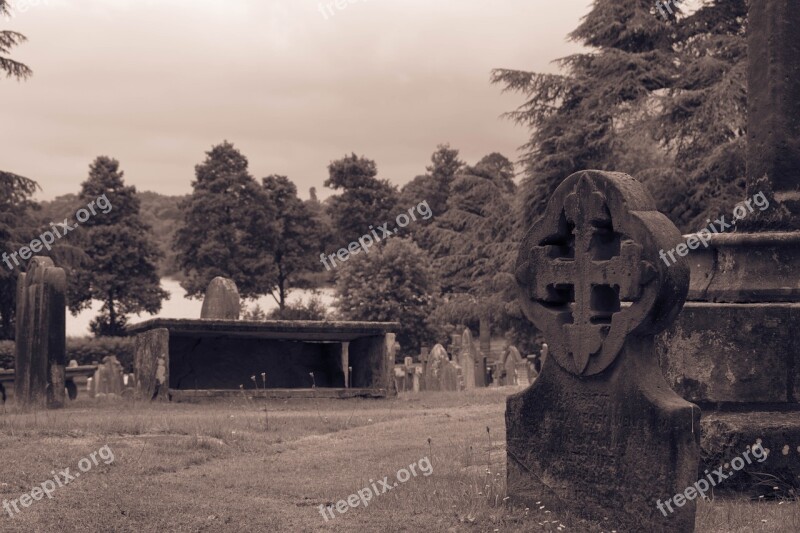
466,359
600,434
108,378
222,300
511,363
39,375
441,374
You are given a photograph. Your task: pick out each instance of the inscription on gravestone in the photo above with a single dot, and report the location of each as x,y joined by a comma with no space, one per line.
600,434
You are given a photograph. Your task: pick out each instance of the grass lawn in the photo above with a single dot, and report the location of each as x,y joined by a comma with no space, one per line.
217,467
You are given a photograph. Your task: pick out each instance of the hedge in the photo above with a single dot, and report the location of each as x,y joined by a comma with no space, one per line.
84,350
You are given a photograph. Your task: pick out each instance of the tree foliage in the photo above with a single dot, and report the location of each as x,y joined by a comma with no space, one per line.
16,228
8,40
229,220
297,242
393,282
674,85
120,266
365,200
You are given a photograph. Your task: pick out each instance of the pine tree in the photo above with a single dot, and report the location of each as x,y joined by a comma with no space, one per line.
670,87
8,40
16,230
229,220
121,257
365,200
298,241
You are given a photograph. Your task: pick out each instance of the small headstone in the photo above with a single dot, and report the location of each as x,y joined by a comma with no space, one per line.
72,364
466,359
39,377
222,300
601,435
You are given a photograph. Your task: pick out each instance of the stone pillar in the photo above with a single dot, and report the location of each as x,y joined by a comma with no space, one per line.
600,435
222,300
467,359
733,350
151,364
346,363
40,360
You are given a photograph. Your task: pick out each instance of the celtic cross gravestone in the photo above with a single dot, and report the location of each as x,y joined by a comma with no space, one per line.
600,434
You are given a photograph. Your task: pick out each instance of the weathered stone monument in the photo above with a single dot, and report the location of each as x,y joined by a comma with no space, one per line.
441,374
41,335
108,379
222,300
466,359
735,348
600,434
511,363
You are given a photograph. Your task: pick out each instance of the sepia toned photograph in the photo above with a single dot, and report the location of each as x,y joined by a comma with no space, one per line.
400,266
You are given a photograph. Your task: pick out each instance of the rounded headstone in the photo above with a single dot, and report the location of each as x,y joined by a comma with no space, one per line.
222,300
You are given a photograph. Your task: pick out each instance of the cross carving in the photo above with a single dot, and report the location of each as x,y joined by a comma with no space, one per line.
583,272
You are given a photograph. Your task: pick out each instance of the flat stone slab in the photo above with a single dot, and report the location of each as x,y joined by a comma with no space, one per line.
271,329
279,394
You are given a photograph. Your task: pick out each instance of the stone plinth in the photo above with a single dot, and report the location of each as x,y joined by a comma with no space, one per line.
222,355
735,349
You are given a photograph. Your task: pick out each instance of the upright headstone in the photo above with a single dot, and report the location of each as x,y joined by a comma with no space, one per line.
39,376
441,374
511,363
466,359
108,378
600,434
222,300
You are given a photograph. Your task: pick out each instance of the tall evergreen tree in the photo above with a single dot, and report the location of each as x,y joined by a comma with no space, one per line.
298,241
120,268
473,244
229,220
433,187
16,229
675,81
365,200
8,40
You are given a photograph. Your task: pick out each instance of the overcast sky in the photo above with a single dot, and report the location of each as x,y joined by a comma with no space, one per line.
156,83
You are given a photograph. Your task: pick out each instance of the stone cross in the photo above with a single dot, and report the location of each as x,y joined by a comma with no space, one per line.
600,434
222,300
39,375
